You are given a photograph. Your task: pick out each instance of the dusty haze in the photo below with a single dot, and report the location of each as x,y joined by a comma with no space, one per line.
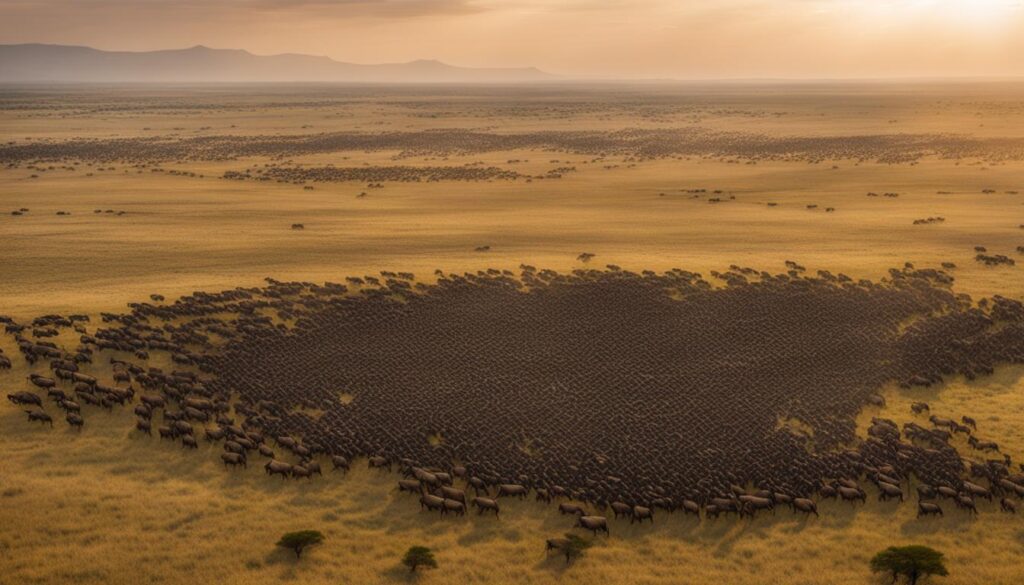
602,38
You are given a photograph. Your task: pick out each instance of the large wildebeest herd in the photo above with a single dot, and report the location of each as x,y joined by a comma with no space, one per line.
635,143
620,390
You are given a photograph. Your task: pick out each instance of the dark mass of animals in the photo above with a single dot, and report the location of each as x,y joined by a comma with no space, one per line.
603,389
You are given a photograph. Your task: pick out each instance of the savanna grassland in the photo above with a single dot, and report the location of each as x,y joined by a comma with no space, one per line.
134,191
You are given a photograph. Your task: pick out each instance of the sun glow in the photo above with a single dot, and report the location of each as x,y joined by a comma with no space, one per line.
951,12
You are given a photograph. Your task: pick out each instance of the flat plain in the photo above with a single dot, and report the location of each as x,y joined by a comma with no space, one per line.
134,191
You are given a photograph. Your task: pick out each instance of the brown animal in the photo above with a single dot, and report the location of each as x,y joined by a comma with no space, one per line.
23,398
39,416
852,495
409,485
567,508
1007,506
965,502
74,420
339,462
279,467
458,508
511,489
233,459
594,524
486,504
431,503
621,509
641,513
805,505
301,471
888,491
378,462
450,493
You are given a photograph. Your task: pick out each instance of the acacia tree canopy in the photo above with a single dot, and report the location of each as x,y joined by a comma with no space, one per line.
913,562
419,556
298,541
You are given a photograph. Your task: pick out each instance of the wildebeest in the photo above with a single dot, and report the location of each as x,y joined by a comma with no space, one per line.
665,504
478,485
641,513
425,476
144,425
621,509
378,462
691,507
458,508
486,504
805,505
982,445
450,493
852,494
301,471
965,502
279,467
153,401
430,502
42,381
887,491
925,491
233,459
969,422
34,415
594,524
976,490
567,508
22,398
409,485
214,434
74,420
542,495
512,489
339,462
189,441
1007,505
919,407
928,508
751,504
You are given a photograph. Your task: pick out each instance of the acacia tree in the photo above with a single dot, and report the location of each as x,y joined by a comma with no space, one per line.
913,562
299,541
419,556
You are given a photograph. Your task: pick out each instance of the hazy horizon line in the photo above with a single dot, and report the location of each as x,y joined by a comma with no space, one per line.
558,78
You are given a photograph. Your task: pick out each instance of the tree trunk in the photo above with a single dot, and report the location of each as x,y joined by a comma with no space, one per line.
913,577
298,552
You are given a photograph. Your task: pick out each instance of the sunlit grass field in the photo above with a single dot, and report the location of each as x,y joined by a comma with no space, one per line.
110,505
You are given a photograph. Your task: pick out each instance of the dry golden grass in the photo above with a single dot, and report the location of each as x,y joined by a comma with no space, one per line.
110,506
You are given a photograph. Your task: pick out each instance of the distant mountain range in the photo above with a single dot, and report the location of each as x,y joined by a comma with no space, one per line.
37,63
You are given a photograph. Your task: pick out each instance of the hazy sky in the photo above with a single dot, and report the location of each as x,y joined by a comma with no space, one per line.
610,38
